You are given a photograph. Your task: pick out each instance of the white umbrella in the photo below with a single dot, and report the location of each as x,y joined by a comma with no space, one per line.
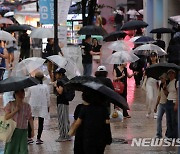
42,33
5,36
120,45
121,57
146,48
6,21
141,11
66,63
8,14
28,66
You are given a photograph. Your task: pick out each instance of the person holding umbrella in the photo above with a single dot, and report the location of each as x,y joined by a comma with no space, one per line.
40,105
87,56
20,112
120,74
62,105
93,121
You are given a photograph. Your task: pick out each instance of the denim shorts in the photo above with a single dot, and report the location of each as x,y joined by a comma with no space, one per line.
10,50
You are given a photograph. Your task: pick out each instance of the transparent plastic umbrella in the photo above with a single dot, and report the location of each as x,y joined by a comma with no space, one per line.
146,48
6,21
67,64
28,66
5,36
121,57
42,33
120,45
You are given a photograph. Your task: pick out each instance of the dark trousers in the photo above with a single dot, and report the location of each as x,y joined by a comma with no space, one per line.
93,149
40,128
1,74
138,77
24,53
171,116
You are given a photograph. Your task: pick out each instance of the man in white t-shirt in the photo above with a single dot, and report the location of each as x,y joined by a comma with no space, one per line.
171,110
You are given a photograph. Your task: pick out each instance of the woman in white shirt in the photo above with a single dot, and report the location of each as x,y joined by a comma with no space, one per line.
39,99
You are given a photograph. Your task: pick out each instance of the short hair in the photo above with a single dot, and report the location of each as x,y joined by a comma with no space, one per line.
88,36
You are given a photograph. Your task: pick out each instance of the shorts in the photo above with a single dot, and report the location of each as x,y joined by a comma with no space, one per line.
10,50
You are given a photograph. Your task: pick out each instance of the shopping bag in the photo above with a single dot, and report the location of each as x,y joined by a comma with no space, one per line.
116,116
7,128
144,83
118,87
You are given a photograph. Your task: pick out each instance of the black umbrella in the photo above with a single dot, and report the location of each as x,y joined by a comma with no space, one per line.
97,87
144,39
92,30
134,24
17,83
14,28
162,30
156,70
114,36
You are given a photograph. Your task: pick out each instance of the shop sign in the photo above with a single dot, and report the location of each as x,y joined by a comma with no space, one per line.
46,9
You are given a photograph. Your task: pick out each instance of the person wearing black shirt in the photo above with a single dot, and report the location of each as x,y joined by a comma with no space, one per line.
160,42
50,52
93,120
24,40
87,56
62,106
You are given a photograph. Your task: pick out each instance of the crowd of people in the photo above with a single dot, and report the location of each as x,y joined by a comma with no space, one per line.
91,125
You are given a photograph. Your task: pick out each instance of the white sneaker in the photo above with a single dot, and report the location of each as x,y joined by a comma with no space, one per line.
148,115
155,116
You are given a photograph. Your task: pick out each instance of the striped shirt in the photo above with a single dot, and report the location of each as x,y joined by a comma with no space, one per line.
22,116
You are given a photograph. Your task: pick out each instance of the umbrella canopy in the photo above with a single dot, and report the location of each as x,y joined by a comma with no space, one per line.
121,57
156,70
134,24
17,83
162,30
133,39
92,30
8,14
14,28
28,65
42,33
141,11
114,36
144,39
98,37
66,63
144,50
97,87
120,45
5,36
6,21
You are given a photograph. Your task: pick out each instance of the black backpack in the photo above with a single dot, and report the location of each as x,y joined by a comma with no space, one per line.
69,94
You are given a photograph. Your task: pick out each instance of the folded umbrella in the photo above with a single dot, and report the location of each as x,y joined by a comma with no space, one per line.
156,70
98,88
17,83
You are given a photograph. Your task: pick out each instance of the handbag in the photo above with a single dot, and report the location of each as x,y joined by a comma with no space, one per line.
7,128
118,87
144,83
116,116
